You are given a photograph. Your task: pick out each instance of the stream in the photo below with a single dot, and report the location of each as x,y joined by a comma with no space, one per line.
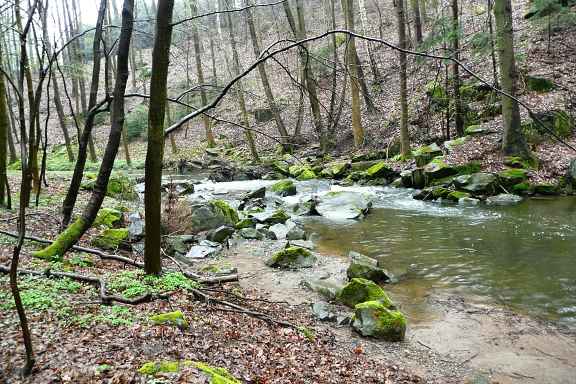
521,256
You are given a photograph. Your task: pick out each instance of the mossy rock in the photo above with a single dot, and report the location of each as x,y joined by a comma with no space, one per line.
438,169
292,258
282,167
546,189
450,145
423,155
175,318
284,188
374,319
216,375
522,188
557,121
539,84
379,170
365,267
245,223
229,213
111,239
476,130
307,174
480,183
518,162
469,168
457,195
119,187
108,217
513,176
359,290
335,170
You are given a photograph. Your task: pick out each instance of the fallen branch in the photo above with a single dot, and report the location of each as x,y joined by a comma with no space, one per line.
127,260
102,255
259,315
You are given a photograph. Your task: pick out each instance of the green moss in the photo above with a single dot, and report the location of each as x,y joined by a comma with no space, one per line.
469,168
63,242
108,217
217,375
457,195
518,162
291,258
135,283
175,318
513,176
119,186
227,211
359,290
438,169
154,367
306,174
539,84
111,238
245,223
546,189
372,318
380,169
440,192
521,188
284,188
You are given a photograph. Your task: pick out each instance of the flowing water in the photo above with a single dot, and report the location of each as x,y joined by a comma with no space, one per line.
523,255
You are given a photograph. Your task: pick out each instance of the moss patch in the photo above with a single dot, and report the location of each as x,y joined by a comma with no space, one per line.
107,217
284,188
175,318
292,258
378,170
359,290
372,318
111,238
227,211
457,195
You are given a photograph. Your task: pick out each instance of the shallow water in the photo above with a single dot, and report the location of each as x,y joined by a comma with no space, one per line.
523,256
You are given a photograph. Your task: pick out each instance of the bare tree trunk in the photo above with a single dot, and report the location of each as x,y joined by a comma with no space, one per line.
4,132
352,66
417,20
492,44
364,21
264,79
71,195
458,118
404,134
514,142
70,236
155,153
241,99
200,74
24,189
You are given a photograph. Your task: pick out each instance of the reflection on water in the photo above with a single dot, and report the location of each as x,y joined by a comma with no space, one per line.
524,255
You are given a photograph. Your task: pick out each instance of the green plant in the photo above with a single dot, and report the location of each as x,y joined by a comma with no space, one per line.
137,122
135,283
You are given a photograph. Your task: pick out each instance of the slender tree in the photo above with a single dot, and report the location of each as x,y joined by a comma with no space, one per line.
458,117
155,153
417,20
352,66
402,43
71,235
264,78
514,142
4,132
200,73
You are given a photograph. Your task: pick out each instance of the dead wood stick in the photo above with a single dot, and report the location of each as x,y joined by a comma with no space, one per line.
126,260
259,315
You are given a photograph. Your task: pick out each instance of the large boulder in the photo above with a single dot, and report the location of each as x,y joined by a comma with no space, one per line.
203,250
335,170
513,176
425,154
378,171
284,188
111,239
438,169
220,234
270,217
504,199
366,267
374,319
135,226
343,205
328,288
292,258
207,215
108,217
480,183
359,290
120,186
